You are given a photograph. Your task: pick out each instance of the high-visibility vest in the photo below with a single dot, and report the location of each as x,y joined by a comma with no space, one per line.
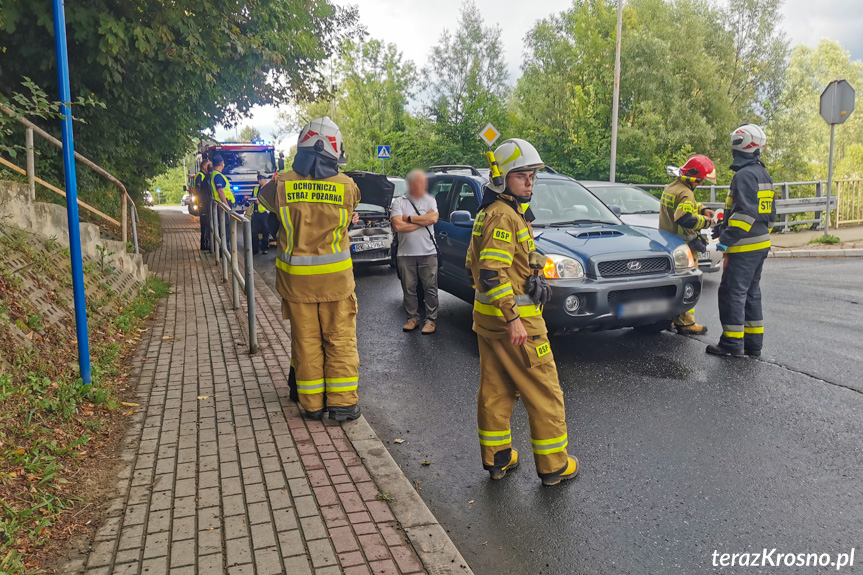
229,194
261,209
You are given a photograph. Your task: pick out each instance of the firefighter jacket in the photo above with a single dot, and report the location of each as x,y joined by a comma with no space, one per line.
749,209
680,213
313,255
498,263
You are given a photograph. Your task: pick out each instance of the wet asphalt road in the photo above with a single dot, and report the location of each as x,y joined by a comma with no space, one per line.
681,453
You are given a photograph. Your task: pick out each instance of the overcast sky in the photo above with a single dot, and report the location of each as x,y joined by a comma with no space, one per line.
416,26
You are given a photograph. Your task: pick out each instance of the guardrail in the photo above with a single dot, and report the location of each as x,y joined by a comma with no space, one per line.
786,205
225,251
32,180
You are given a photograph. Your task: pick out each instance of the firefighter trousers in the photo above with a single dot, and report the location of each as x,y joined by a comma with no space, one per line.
324,352
740,302
508,372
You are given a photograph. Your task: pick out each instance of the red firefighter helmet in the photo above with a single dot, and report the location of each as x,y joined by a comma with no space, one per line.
697,169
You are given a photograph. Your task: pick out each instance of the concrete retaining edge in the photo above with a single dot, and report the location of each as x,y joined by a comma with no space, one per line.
825,253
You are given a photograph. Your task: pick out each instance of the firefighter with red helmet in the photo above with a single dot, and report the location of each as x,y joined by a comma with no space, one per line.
682,215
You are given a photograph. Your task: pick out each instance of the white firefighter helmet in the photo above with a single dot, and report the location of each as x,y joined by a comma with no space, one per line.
323,135
515,155
748,138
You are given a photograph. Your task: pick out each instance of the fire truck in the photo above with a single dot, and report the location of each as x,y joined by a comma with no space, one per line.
243,162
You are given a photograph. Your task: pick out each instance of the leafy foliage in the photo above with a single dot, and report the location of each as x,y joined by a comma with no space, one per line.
168,70
249,134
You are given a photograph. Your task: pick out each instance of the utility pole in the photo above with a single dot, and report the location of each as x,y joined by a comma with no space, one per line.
616,103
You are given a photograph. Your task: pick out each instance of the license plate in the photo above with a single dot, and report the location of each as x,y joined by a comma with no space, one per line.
642,308
703,256
366,246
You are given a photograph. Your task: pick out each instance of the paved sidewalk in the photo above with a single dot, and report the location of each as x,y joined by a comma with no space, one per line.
224,475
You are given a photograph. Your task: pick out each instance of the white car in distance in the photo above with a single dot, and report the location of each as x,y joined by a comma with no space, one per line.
640,208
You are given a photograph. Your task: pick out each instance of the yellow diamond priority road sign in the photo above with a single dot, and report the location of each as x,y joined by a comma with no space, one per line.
489,134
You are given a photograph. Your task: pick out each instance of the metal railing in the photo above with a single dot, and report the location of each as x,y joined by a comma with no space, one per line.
792,201
850,196
226,253
32,180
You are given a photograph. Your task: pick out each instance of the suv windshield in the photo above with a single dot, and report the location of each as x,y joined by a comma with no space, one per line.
558,201
262,161
631,200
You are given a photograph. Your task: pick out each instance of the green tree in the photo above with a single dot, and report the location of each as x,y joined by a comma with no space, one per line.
467,86
799,139
249,134
167,71
691,72
373,87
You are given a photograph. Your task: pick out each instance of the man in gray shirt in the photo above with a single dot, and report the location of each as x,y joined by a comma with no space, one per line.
414,216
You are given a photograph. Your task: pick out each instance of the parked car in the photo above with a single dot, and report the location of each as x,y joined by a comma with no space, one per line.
400,184
604,274
184,201
148,198
637,207
372,237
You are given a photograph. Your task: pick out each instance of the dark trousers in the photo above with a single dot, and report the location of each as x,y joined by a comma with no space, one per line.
260,227
204,218
273,224
419,272
740,301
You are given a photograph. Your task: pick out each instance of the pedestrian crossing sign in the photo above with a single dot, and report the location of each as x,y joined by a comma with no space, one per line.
383,152
489,134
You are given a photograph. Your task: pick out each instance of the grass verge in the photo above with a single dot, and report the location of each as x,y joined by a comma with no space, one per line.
53,430
829,239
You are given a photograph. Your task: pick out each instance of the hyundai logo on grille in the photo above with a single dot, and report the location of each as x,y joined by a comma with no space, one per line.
633,265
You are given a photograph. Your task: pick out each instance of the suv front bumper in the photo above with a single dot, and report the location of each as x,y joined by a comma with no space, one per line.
600,300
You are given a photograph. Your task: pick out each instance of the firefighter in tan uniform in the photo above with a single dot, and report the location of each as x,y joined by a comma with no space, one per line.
681,214
315,276
515,355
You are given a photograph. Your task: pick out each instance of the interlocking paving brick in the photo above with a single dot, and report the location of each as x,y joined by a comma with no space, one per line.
235,482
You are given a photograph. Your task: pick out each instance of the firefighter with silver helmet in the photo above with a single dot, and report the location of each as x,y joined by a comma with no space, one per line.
515,355
744,236
315,278
681,214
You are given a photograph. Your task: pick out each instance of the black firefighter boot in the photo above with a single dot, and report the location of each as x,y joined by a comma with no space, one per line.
344,413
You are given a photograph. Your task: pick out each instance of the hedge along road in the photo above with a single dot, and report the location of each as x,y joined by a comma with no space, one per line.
683,454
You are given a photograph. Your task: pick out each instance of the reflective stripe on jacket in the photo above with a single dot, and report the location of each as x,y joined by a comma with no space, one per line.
750,211
499,266
313,257
680,212
229,194
260,207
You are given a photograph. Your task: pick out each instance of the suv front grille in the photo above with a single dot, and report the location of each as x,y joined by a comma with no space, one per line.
628,295
618,268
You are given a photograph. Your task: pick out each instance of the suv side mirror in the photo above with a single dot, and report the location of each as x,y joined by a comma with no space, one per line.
616,209
461,219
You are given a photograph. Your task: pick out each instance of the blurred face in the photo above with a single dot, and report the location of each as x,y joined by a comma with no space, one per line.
418,186
220,167
521,183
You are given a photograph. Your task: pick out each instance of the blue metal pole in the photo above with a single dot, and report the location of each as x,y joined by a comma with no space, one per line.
72,193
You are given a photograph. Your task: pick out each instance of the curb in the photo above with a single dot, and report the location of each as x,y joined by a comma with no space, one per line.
435,549
825,253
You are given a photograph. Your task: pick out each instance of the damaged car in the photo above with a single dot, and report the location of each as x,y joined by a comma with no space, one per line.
372,237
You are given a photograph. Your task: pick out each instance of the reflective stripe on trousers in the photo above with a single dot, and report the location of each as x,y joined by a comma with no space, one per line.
314,265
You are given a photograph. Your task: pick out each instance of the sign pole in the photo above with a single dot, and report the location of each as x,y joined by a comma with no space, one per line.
829,181
616,97
72,194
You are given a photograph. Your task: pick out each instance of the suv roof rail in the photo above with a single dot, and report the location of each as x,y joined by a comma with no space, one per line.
447,167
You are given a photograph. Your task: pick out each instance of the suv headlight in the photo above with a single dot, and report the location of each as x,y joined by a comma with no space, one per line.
683,258
562,267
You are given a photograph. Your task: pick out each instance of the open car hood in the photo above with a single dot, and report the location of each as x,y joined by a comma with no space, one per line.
375,189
